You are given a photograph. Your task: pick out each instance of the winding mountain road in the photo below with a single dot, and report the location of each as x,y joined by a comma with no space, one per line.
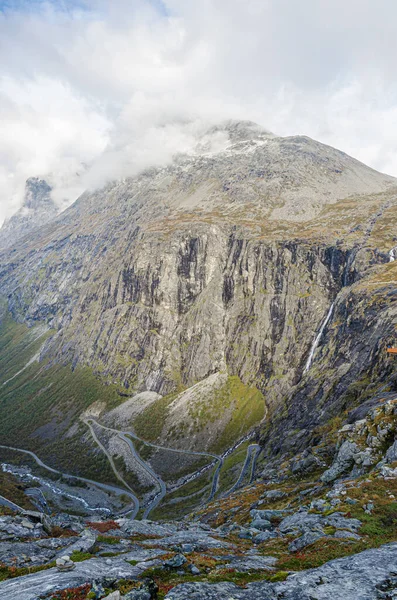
126,437
104,486
244,468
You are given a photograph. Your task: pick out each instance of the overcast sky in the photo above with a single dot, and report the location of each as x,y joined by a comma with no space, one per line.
98,87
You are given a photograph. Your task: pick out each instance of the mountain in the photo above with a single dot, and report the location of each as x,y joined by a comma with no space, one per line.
203,345
187,303
37,209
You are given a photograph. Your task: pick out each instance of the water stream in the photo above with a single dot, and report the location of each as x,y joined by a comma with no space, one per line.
318,338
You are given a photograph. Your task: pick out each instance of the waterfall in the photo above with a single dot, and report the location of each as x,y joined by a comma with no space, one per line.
349,263
392,254
318,338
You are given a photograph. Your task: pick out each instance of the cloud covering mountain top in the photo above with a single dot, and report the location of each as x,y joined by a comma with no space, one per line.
94,90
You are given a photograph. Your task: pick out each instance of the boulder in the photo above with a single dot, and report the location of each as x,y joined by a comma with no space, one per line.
305,540
269,515
264,536
342,463
300,521
261,524
176,562
391,454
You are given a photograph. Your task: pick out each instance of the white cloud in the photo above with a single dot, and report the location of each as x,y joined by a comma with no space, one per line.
104,88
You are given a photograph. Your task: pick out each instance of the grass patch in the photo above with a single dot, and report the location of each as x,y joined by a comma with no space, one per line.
149,423
39,403
12,572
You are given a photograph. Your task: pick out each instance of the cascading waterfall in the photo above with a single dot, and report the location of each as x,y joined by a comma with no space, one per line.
318,338
349,263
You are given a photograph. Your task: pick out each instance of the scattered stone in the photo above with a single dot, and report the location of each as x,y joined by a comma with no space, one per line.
269,515
261,524
305,465
388,472
175,562
338,521
244,564
274,495
348,535
300,521
84,543
98,589
194,570
265,536
138,595
246,534
27,524
65,564
305,540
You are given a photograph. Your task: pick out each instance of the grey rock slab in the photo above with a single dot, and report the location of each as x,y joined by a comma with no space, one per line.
348,535
268,514
274,494
301,521
26,553
220,591
249,563
199,541
30,587
144,527
341,522
138,595
84,543
356,577
175,562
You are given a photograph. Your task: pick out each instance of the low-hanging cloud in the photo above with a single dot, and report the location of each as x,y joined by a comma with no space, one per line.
99,90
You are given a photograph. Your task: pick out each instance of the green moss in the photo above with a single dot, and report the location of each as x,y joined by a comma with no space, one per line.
78,556
107,539
280,576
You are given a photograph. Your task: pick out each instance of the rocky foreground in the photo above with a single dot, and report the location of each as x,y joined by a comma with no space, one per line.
312,535
133,558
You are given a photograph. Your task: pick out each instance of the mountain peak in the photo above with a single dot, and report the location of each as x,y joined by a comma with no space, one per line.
240,131
37,194
37,209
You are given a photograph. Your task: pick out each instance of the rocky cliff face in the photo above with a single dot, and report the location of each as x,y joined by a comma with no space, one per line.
38,208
